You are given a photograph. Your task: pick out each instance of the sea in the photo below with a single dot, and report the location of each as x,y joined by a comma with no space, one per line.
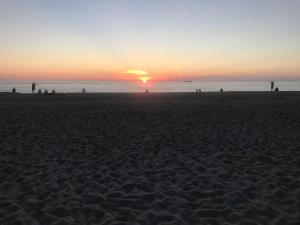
136,87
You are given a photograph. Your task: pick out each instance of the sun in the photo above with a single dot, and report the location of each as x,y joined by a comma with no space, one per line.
140,74
144,79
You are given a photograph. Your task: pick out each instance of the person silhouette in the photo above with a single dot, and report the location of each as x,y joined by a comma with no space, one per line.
276,89
221,90
13,90
33,87
46,92
83,91
53,92
40,92
272,85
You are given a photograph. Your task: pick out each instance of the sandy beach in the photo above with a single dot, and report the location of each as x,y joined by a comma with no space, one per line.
176,159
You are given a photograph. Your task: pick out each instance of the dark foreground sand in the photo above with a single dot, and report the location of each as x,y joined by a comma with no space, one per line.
218,158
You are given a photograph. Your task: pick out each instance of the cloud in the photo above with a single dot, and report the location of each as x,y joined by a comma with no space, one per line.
137,72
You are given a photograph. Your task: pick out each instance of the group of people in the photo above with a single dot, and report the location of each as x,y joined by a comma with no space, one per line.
33,86
45,92
40,91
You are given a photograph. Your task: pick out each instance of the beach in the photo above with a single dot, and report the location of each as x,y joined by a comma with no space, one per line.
181,158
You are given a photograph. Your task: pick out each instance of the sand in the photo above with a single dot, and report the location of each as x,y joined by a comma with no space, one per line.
209,158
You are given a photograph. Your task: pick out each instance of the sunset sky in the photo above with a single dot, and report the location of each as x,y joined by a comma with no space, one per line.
159,39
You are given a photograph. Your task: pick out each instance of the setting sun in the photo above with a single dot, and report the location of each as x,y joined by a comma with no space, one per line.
140,74
144,79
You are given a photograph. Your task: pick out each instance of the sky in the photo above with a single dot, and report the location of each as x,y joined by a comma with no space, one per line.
157,39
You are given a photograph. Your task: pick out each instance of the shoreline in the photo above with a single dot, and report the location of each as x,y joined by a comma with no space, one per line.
188,92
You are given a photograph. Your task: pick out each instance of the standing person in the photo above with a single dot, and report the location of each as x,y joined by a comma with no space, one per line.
272,85
33,87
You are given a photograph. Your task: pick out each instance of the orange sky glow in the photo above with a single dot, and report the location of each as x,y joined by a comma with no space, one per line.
149,41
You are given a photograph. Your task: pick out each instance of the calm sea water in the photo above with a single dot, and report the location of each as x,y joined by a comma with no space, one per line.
98,86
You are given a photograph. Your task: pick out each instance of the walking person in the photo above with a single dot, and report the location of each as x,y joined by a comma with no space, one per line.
272,85
33,87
